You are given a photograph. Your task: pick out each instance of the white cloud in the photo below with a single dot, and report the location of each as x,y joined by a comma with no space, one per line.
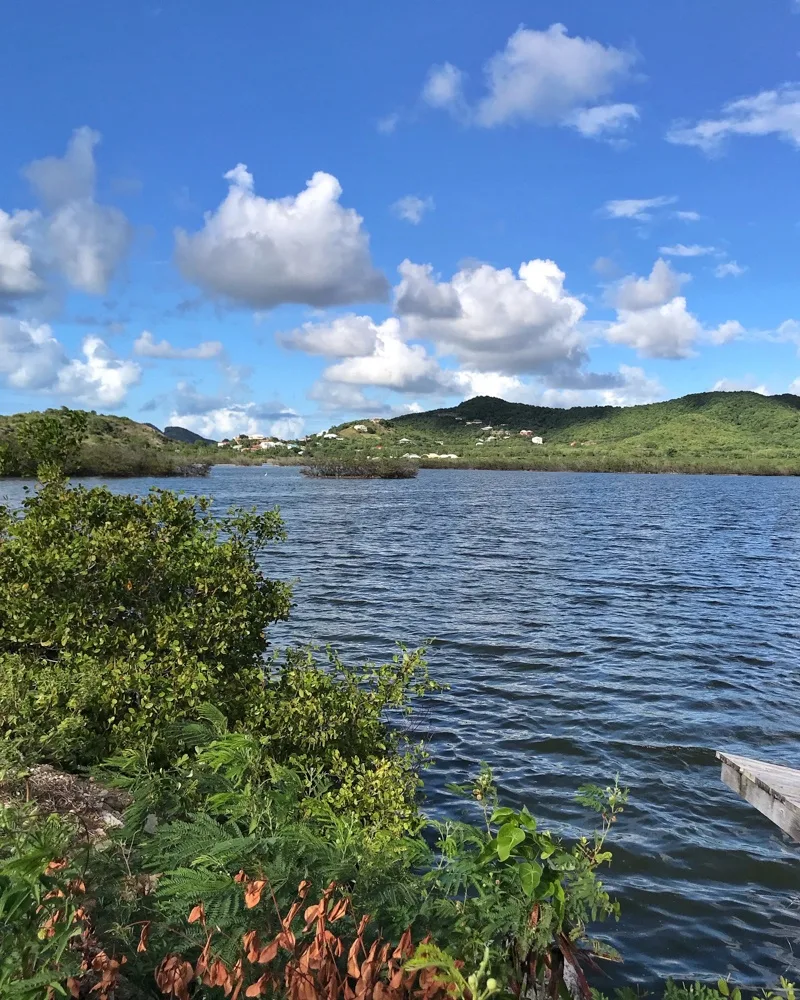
17,274
420,294
597,121
630,386
32,358
101,379
388,124
505,322
682,250
84,240
729,269
688,216
545,76
146,346
259,252
343,337
654,320
659,287
393,364
794,387
730,330
665,331
443,86
336,397
748,384
637,208
771,112
218,417
411,208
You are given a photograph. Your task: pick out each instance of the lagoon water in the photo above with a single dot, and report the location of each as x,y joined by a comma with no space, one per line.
588,625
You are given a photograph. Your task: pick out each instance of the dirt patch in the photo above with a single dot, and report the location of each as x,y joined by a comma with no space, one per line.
95,808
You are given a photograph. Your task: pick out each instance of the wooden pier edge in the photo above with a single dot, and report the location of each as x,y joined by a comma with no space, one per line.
773,790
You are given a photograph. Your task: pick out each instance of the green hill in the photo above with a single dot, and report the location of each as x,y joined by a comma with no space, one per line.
719,432
186,436
112,446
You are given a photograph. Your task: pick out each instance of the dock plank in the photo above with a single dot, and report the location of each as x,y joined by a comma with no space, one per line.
773,789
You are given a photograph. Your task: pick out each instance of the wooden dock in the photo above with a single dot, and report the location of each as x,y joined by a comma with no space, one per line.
772,789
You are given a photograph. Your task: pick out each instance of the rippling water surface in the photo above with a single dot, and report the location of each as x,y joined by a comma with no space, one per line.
588,625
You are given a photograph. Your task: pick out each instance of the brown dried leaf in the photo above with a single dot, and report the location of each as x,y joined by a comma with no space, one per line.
269,953
260,987
302,889
404,947
144,937
251,945
198,913
252,893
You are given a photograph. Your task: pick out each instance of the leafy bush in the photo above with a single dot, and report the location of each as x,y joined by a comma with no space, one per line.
121,614
349,468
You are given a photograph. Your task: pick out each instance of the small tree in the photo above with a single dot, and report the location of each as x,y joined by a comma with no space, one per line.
120,614
51,441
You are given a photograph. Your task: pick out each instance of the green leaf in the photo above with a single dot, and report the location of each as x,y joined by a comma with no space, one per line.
503,815
722,986
508,836
530,875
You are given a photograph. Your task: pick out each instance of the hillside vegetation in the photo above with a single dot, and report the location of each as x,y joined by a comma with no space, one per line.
94,444
714,432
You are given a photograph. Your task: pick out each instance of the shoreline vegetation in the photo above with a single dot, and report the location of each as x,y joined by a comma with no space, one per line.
713,433
379,468
263,830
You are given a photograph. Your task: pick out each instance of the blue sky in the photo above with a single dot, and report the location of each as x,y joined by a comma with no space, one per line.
272,217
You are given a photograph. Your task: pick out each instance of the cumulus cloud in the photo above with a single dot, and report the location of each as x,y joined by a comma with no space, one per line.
682,250
729,269
746,384
260,252
665,331
443,87
220,417
344,337
337,397
32,358
420,294
548,77
146,346
771,112
506,322
101,378
392,364
412,208
84,240
662,284
654,320
18,277
640,209
603,119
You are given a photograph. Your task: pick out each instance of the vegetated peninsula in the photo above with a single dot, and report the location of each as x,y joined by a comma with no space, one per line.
711,432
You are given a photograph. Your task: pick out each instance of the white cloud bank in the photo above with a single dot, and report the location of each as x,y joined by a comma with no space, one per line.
548,77
770,112
260,252
653,319
31,358
82,239
146,346
219,417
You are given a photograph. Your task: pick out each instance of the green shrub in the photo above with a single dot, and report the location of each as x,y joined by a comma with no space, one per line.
120,615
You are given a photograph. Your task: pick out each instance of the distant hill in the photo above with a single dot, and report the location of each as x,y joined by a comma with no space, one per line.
745,418
703,432
186,436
